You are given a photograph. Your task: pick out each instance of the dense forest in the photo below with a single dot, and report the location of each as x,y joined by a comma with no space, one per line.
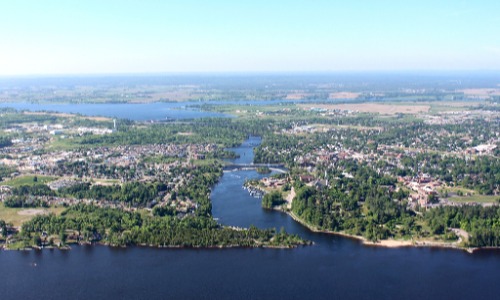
88,223
482,223
367,205
226,132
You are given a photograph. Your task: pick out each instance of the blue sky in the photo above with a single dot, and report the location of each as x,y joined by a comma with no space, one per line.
108,36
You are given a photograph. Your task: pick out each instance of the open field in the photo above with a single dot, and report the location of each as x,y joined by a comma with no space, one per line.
450,106
28,180
456,103
106,182
481,93
388,109
473,195
474,198
17,216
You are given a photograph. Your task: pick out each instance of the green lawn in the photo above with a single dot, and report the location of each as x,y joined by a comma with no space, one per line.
475,198
17,216
63,144
106,181
205,162
28,180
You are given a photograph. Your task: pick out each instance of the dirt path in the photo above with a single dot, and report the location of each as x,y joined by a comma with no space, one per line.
32,212
289,198
462,235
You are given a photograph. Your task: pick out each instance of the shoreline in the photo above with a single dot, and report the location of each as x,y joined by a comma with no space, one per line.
388,243
105,244
66,248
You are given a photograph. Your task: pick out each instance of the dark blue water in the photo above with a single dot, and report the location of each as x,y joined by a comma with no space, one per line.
334,268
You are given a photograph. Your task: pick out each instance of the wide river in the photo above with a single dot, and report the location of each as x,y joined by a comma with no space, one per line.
333,268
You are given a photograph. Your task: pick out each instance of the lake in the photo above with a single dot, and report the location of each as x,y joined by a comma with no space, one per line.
333,268
142,111
137,112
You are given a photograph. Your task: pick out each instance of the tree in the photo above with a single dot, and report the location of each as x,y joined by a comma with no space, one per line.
433,198
37,241
272,199
63,236
3,228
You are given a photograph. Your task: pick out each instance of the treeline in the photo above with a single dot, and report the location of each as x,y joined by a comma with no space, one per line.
482,223
5,171
226,132
133,193
3,228
29,196
24,202
272,199
87,223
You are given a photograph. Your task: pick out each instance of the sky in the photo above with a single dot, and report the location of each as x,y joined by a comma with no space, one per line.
147,36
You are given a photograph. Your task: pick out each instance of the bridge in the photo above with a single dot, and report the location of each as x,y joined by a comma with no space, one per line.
273,167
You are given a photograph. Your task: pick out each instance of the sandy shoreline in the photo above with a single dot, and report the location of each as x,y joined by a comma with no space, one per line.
389,243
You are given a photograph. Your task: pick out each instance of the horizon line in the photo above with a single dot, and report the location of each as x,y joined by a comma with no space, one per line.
202,73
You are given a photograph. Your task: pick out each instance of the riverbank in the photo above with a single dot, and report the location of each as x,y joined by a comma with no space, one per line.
388,243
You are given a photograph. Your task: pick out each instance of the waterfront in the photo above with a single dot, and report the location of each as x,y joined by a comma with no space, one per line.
334,267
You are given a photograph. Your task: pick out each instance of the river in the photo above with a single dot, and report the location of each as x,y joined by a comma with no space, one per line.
333,268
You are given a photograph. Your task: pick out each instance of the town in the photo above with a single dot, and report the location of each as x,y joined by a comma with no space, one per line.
404,153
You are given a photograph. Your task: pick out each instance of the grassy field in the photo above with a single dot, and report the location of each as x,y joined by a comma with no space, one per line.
106,181
17,216
28,180
205,162
381,108
475,198
59,144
